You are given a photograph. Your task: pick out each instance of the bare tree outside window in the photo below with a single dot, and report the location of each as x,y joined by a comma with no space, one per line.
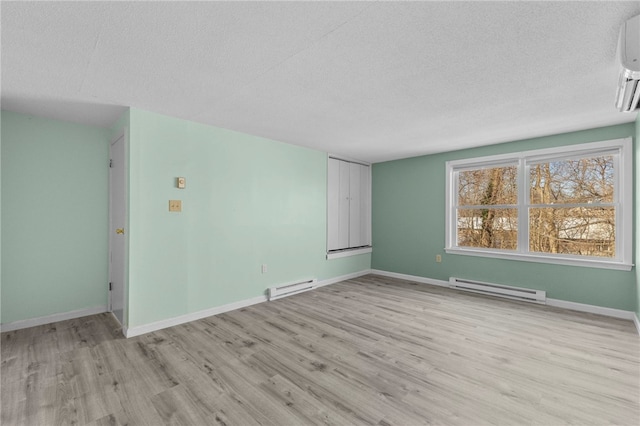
493,226
572,207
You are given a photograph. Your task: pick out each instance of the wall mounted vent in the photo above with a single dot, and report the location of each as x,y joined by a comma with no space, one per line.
499,290
291,289
628,95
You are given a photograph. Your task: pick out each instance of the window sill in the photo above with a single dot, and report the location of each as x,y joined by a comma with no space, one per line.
570,261
349,252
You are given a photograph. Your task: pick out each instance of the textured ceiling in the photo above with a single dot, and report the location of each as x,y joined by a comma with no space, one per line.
372,81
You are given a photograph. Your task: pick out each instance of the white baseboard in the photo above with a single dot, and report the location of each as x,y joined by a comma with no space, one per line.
592,309
48,319
158,325
636,321
347,253
415,278
610,312
170,322
334,280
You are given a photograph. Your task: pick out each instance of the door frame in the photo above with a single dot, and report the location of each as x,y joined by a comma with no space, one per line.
124,134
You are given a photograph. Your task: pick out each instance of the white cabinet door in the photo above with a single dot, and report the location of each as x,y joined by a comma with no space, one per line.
338,205
365,206
355,230
359,202
343,221
348,205
333,205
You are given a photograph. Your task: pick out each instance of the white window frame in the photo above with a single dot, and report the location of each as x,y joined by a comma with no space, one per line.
621,149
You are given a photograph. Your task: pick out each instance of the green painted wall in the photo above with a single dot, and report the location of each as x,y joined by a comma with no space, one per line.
249,201
408,229
636,164
1,217
54,217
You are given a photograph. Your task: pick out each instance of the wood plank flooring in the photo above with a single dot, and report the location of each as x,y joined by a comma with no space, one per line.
371,350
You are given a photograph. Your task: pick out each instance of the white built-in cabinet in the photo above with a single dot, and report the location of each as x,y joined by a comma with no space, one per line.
348,205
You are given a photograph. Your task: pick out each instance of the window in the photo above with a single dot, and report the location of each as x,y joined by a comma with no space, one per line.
569,205
348,208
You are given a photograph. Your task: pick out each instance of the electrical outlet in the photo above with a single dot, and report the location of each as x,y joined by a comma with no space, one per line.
438,258
175,205
264,268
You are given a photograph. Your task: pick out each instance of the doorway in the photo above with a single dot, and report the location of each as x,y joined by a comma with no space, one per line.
117,228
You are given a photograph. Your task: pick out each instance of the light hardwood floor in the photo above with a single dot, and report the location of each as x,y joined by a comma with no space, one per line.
371,350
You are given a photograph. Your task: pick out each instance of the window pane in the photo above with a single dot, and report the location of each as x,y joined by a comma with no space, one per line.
488,228
587,180
578,231
493,186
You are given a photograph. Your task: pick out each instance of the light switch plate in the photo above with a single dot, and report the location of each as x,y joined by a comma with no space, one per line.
175,205
181,182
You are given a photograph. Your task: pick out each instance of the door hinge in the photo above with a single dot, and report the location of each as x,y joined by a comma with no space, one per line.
110,163
110,287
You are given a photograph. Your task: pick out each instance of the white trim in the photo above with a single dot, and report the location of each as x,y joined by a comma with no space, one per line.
576,150
48,319
570,261
349,252
430,281
636,321
573,306
170,322
347,159
334,280
592,309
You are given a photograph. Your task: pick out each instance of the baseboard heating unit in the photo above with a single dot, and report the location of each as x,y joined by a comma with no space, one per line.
499,290
291,289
